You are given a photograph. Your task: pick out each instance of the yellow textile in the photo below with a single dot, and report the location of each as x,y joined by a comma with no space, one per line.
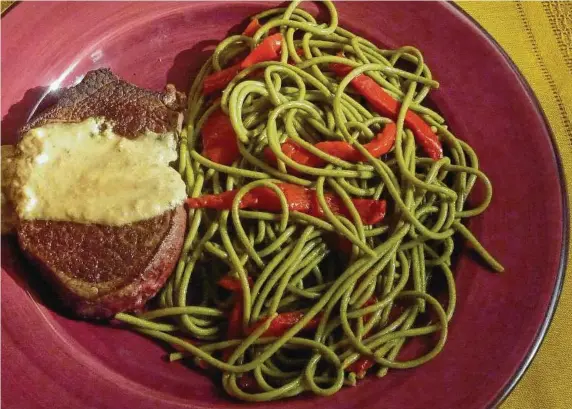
5,5
538,38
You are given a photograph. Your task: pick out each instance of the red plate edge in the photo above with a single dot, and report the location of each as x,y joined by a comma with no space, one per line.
543,330
564,250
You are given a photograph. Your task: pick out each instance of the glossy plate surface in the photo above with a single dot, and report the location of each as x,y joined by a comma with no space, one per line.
49,361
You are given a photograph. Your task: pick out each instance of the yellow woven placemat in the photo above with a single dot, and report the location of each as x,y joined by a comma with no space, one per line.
538,38
5,5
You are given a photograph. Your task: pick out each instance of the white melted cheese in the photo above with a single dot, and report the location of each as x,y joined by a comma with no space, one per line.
85,173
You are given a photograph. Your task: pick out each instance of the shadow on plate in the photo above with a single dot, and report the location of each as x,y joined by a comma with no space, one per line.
28,277
188,63
34,100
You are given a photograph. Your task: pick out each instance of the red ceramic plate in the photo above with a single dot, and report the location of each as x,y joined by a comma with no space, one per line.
50,361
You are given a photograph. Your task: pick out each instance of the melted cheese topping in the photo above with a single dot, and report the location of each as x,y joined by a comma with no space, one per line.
85,173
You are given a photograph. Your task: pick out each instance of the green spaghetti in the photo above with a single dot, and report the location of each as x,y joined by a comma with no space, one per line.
321,233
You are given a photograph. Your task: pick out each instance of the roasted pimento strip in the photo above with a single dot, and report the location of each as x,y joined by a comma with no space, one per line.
380,145
386,105
268,50
299,199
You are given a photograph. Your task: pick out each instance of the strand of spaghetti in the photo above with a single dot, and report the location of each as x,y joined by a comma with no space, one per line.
343,297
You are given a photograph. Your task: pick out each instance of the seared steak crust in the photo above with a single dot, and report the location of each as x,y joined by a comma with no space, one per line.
101,270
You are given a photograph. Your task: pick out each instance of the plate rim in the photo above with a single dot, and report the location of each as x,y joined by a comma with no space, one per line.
525,364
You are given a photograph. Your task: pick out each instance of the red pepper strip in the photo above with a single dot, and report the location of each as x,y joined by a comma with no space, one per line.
299,199
380,145
222,201
235,319
247,382
296,153
267,50
395,312
234,328
219,139
201,363
360,366
384,104
251,28
283,322
299,52
344,245
370,211
220,79
370,301
233,283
